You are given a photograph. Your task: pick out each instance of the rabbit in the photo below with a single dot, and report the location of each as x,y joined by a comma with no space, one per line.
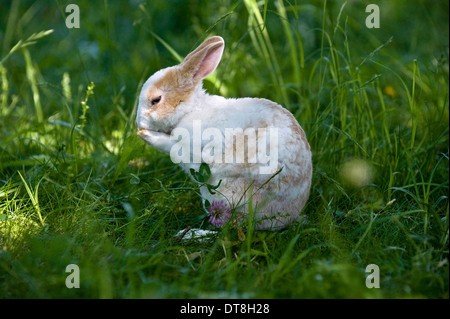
173,104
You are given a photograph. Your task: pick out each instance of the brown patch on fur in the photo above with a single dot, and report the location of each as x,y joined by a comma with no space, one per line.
296,128
172,93
274,211
243,145
294,125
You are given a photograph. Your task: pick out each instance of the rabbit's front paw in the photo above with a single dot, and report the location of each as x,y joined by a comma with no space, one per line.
158,140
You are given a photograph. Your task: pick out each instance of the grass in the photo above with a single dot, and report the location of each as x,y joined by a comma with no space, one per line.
78,187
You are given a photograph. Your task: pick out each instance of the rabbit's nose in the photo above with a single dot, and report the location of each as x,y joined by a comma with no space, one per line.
140,122
144,121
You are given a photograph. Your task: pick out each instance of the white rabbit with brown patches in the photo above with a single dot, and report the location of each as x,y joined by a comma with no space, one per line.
173,104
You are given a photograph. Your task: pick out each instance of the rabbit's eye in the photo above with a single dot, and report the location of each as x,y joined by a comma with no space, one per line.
156,100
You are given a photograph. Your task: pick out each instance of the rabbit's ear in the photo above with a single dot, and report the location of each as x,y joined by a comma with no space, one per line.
203,61
203,45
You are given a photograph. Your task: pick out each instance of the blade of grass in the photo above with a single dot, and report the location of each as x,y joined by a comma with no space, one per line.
23,44
292,46
263,44
31,75
34,198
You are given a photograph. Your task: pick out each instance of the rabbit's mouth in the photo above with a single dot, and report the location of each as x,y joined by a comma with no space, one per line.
142,131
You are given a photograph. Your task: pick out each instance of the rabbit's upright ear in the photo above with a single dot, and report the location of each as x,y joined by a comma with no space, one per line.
203,61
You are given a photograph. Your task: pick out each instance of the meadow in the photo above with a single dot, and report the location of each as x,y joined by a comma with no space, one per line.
78,187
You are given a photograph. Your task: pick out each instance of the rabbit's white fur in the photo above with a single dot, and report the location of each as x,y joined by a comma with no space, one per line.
276,202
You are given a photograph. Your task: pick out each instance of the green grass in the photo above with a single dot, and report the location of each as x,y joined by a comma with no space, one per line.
78,187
